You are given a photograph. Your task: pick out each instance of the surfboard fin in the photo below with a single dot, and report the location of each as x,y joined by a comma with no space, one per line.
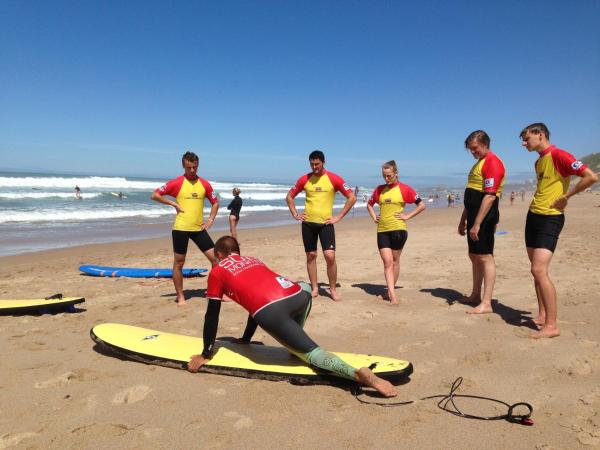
54,297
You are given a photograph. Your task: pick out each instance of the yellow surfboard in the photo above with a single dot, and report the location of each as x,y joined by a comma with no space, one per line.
248,361
37,304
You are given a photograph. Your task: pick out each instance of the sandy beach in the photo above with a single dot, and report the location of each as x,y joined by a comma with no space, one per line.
56,391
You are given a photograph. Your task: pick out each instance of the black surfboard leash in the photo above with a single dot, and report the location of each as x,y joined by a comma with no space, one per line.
448,404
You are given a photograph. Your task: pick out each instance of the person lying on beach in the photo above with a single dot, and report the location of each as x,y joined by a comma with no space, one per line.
276,304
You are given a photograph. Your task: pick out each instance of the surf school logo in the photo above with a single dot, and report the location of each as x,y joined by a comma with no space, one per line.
488,182
213,195
576,165
284,283
346,187
150,337
194,195
318,189
387,200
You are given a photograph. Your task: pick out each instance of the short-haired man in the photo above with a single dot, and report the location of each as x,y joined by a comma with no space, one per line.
545,218
189,191
279,306
320,187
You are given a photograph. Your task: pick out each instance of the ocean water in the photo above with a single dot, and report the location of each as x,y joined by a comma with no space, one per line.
40,211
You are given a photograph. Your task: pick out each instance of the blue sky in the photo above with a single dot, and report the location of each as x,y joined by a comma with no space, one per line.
112,87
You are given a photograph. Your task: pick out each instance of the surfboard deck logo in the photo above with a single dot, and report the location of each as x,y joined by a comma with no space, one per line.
241,360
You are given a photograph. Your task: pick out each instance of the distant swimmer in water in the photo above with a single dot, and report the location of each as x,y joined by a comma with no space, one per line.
234,208
318,220
279,306
77,193
391,222
189,192
480,217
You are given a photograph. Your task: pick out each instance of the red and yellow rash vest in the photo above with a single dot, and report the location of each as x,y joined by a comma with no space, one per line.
190,196
249,282
487,175
391,200
320,192
553,168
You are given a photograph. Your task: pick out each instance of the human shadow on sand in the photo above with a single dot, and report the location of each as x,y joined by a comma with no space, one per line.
511,316
374,289
188,294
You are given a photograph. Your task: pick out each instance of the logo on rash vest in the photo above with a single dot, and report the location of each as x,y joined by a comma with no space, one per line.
213,195
576,165
284,283
346,187
388,200
489,182
318,189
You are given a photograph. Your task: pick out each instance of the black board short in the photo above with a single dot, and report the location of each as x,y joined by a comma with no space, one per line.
542,231
311,232
201,238
392,239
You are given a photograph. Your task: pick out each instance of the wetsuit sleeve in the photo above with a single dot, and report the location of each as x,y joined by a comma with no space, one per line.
250,329
409,194
299,186
339,184
171,187
375,196
492,173
566,164
211,323
210,194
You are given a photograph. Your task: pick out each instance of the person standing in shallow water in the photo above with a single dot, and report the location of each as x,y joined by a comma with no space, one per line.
546,218
480,217
234,208
391,222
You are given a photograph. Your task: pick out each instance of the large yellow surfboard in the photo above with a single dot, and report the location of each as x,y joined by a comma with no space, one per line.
37,304
249,361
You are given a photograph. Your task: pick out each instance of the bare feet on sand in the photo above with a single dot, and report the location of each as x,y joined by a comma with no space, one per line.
335,295
315,293
472,299
540,320
365,376
181,301
546,332
482,308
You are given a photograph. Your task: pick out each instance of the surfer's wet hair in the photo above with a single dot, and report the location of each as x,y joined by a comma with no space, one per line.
227,245
535,128
317,154
478,136
390,165
189,156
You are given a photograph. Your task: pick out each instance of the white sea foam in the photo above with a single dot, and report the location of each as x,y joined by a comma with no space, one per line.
108,183
52,215
259,196
40,195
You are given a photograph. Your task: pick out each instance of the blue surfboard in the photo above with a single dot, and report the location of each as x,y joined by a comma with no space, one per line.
131,272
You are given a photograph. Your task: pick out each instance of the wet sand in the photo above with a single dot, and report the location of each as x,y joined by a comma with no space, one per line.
56,391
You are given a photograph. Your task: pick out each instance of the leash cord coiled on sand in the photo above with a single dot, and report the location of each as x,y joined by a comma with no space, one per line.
447,404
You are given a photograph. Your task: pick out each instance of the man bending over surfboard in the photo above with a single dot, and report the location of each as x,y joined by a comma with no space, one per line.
189,191
276,304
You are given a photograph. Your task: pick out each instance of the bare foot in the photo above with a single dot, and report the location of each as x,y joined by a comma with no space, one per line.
181,303
334,295
315,293
365,376
539,320
482,308
546,332
472,299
